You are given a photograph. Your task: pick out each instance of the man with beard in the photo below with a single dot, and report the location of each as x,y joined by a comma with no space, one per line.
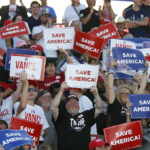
73,128
44,100
37,32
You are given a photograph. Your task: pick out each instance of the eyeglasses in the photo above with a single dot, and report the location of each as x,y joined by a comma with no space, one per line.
31,89
124,93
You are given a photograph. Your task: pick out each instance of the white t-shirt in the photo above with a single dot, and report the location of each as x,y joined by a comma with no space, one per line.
86,104
71,14
33,113
6,109
12,11
48,53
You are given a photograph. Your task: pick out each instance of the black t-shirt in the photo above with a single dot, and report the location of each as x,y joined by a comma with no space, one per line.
117,113
93,22
32,23
73,132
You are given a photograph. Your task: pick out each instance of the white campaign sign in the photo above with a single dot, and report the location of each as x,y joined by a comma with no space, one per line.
82,75
121,43
34,66
59,37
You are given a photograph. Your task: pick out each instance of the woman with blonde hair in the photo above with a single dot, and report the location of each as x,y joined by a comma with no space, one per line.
119,104
107,14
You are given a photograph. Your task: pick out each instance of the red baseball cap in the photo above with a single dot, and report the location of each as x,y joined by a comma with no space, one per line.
96,143
100,78
7,22
36,47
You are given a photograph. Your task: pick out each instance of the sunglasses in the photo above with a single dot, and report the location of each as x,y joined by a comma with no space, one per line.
124,93
31,89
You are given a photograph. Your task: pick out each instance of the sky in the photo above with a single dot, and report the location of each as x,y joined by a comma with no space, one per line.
60,5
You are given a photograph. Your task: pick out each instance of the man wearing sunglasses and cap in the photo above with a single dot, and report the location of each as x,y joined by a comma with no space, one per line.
73,128
26,107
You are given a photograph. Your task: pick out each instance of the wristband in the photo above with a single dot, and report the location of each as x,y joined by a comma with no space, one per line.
96,96
111,71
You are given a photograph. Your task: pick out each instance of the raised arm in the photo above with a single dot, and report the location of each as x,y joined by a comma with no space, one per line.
23,100
22,4
16,94
110,83
56,101
128,117
143,80
99,104
68,58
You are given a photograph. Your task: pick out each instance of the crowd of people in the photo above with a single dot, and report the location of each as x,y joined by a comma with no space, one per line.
72,118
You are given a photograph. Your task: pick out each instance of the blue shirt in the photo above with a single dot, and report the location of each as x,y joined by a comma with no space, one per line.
141,31
51,11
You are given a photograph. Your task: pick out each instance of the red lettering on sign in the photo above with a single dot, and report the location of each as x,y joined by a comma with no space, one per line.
25,65
59,41
83,72
123,45
58,35
87,79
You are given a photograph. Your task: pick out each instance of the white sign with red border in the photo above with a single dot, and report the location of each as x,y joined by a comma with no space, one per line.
14,30
82,75
121,43
34,66
59,37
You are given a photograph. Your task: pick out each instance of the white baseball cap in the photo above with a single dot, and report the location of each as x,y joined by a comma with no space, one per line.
120,19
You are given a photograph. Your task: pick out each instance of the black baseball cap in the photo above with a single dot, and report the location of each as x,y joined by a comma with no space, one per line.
71,96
